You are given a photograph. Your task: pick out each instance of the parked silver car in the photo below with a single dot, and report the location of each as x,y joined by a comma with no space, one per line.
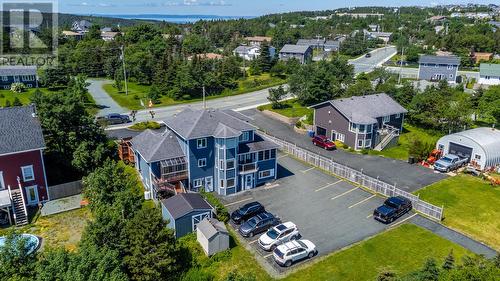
293,251
278,235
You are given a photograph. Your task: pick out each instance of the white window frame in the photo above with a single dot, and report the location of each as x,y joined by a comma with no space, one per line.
368,143
202,162
228,161
270,171
199,218
340,137
476,157
198,183
386,119
245,136
23,169
398,115
451,75
5,78
201,143
233,185
353,127
450,67
2,182
361,143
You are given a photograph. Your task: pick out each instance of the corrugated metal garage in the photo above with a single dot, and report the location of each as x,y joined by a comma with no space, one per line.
480,145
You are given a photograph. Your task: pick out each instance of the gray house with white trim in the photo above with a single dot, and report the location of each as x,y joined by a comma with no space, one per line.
303,53
184,212
361,122
436,68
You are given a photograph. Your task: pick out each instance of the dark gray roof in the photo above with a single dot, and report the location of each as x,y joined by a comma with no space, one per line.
258,144
365,109
19,130
17,70
311,42
454,60
296,49
156,146
210,227
193,124
185,203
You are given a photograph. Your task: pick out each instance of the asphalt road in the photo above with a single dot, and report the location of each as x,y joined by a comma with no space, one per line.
239,102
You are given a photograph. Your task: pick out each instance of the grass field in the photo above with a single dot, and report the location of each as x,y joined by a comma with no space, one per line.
409,133
291,109
138,92
403,249
64,229
471,205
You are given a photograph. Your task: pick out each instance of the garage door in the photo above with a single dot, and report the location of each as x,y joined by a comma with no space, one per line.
320,131
460,150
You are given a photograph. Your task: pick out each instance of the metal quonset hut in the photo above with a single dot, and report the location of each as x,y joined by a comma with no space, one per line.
480,145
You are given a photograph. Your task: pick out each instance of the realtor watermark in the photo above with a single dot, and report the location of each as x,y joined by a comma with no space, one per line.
29,32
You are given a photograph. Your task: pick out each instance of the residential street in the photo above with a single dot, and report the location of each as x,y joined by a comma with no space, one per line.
102,99
378,57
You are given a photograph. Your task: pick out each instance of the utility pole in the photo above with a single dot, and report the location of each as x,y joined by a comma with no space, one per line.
401,65
124,69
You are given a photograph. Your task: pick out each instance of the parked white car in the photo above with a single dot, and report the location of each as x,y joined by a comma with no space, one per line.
278,235
293,251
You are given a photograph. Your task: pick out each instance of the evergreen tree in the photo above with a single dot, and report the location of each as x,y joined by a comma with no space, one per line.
265,60
449,261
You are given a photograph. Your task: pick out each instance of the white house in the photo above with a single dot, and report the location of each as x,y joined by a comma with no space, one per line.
480,145
212,236
489,74
247,52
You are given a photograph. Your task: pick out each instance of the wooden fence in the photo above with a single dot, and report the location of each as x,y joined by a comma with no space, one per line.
65,190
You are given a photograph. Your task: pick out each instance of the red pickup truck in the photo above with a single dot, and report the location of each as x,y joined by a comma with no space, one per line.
323,142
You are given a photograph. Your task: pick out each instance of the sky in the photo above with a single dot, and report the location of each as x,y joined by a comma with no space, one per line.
229,7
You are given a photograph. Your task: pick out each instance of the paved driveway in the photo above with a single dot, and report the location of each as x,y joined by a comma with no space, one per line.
332,213
103,100
378,57
405,176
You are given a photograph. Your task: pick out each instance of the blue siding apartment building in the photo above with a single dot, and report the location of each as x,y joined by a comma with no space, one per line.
22,74
212,149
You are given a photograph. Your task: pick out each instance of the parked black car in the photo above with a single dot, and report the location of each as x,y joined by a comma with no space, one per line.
113,119
260,223
392,209
247,211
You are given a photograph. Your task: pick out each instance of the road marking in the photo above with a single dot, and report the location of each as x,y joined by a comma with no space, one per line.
398,223
237,202
305,171
362,201
340,195
268,255
328,185
369,216
250,243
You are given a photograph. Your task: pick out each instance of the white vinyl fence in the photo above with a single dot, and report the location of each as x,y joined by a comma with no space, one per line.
358,177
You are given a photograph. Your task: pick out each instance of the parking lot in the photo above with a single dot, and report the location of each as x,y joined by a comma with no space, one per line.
330,212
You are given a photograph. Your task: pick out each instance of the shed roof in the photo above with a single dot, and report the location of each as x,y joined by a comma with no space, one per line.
365,109
489,69
487,138
192,124
211,227
297,49
156,146
185,203
439,59
20,130
17,70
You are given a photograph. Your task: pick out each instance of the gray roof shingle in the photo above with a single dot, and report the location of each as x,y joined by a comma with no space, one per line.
454,60
296,49
210,227
258,144
185,203
17,70
193,124
365,109
19,130
155,146
488,69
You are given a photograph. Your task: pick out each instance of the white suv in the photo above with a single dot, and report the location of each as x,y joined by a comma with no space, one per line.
293,251
278,235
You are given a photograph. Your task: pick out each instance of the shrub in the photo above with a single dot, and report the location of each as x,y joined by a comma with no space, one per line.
2,96
145,125
136,97
345,146
18,87
298,124
365,151
419,149
222,212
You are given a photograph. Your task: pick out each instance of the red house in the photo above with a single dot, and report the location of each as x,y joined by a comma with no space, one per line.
23,181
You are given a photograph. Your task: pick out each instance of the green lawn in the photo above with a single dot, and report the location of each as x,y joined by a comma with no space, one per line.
403,249
409,133
291,109
471,205
138,92
64,229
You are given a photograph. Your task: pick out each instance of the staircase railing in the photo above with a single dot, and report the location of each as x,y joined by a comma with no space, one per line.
12,203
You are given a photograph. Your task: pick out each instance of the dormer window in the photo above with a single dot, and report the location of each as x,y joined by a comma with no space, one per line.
245,136
386,119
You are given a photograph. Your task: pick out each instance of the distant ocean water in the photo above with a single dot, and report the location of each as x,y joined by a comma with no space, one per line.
176,18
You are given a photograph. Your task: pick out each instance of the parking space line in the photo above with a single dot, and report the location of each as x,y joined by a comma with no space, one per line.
251,242
237,202
305,171
369,216
362,201
340,195
400,222
328,185
268,255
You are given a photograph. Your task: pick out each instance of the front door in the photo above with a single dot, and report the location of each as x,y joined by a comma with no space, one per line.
31,195
209,184
249,181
